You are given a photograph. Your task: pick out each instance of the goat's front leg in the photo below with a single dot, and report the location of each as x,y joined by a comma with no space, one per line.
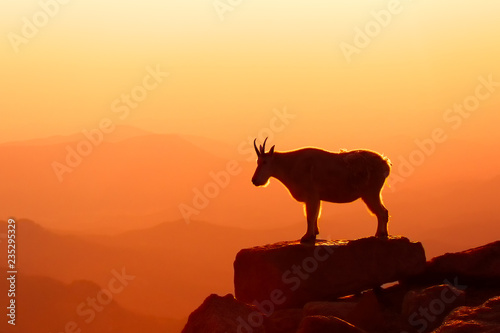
313,208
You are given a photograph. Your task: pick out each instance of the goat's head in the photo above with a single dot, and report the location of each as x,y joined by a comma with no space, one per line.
264,164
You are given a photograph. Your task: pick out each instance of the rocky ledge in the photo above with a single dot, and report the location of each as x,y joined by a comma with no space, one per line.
289,287
291,274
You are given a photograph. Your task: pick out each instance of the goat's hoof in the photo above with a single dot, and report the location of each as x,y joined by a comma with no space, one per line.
382,235
307,239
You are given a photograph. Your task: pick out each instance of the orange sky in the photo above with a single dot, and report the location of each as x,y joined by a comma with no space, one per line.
393,76
400,77
226,76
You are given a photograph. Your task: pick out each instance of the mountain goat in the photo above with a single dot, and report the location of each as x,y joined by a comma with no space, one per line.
314,175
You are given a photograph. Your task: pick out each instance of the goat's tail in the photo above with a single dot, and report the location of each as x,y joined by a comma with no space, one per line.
386,165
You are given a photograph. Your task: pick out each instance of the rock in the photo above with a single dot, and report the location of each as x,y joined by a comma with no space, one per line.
290,274
225,314
364,312
340,309
426,308
368,313
481,319
322,324
284,321
478,266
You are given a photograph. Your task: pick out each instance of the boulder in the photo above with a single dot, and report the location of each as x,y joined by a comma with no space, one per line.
484,318
225,314
478,266
364,312
426,308
290,274
284,321
368,313
322,324
341,309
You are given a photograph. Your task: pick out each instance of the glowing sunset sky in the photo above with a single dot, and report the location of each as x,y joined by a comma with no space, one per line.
227,75
395,76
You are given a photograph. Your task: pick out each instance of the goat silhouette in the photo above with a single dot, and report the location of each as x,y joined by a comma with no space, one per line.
313,175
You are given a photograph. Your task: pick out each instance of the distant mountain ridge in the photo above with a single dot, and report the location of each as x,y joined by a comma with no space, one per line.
120,132
166,260
48,305
143,179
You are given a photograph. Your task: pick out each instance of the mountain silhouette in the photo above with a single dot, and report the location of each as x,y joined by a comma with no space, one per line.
167,260
136,181
48,305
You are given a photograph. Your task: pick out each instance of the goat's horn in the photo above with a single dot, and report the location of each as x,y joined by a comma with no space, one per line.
255,146
263,147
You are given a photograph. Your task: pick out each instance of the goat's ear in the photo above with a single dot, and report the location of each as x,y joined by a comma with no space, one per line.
271,151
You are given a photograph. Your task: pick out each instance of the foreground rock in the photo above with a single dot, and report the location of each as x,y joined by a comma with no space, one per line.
426,308
290,274
224,314
480,319
294,288
363,311
477,266
285,321
322,324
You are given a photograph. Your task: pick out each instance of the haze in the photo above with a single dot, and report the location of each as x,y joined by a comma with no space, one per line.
126,133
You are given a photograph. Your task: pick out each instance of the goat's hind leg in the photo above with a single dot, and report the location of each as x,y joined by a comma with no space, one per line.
375,205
